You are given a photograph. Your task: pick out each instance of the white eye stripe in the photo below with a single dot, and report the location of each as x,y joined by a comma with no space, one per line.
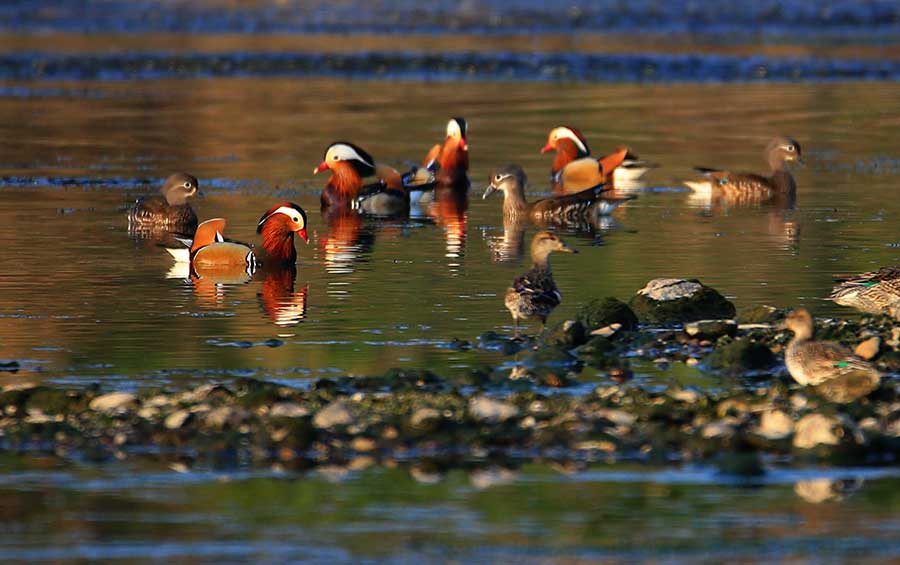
453,129
346,153
566,133
289,212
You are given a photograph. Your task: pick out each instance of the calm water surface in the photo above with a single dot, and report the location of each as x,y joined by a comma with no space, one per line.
80,299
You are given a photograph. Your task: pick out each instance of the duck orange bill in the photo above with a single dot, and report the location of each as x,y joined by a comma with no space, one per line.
322,167
302,234
547,148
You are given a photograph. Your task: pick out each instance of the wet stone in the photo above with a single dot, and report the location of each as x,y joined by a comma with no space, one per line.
775,424
817,429
567,334
667,301
710,329
869,348
288,410
488,410
606,312
741,356
112,402
334,415
176,419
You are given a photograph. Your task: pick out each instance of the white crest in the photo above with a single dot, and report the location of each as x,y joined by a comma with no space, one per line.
566,133
341,152
292,213
453,129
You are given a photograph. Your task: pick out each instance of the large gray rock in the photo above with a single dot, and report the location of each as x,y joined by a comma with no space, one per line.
666,301
606,311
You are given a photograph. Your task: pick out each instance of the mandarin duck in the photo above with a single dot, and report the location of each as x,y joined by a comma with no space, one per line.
745,185
210,250
349,165
563,208
822,363
170,211
570,145
534,294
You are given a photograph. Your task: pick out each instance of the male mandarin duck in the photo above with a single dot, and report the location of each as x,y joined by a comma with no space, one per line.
779,182
511,181
210,250
450,159
349,165
817,363
574,155
876,292
534,294
171,211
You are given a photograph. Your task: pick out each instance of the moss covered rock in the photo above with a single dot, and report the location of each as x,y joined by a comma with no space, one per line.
665,301
740,356
605,311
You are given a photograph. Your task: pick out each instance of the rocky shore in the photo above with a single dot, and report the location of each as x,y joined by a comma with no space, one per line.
539,410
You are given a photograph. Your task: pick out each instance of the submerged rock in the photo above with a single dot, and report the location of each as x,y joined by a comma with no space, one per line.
335,414
567,334
491,411
710,329
763,314
665,301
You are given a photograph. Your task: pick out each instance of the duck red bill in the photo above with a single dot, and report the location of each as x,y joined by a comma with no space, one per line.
546,148
322,166
463,145
302,233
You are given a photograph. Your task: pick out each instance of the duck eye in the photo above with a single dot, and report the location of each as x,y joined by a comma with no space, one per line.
296,220
498,177
187,184
790,148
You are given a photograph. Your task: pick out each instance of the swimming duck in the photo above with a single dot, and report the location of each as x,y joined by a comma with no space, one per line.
209,249
450,159
779,182
349,165
534,294
876,292
574,169
511,180
171,211
815,363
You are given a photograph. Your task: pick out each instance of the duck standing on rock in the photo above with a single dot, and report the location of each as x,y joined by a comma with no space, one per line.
754,187
824,363
534,294
169,212
511,181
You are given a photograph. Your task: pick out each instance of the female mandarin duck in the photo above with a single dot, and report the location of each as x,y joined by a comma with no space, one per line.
622,166
815,363
171,211
779,182
349,165
534,294
876,292
210,250
511,181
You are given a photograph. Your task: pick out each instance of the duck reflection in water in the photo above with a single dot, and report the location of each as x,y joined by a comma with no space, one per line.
450,212
349,240
278,299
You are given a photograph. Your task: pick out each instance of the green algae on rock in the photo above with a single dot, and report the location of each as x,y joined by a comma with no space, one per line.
666,301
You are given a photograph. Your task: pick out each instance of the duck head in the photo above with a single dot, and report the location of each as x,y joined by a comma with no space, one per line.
782,149
509,179
342,154
277,228
545,243
562,137
178,188
799,321
456,133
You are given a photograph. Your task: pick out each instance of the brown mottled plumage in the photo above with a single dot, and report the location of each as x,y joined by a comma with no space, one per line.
169,212
779,182
511,181
815,363
876,292
534,294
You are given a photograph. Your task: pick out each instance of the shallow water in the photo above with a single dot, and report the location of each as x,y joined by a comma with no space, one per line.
63,512
82,300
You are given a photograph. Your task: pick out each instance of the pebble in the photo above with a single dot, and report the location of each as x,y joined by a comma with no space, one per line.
112,402
425,418
288,410
492,411
333,415
869,348
816,429
176,419
607,331
775,424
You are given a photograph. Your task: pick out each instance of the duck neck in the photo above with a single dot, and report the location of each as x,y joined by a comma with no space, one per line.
278,241
566,152
540,259
346,180
453,161
514,204
801,334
